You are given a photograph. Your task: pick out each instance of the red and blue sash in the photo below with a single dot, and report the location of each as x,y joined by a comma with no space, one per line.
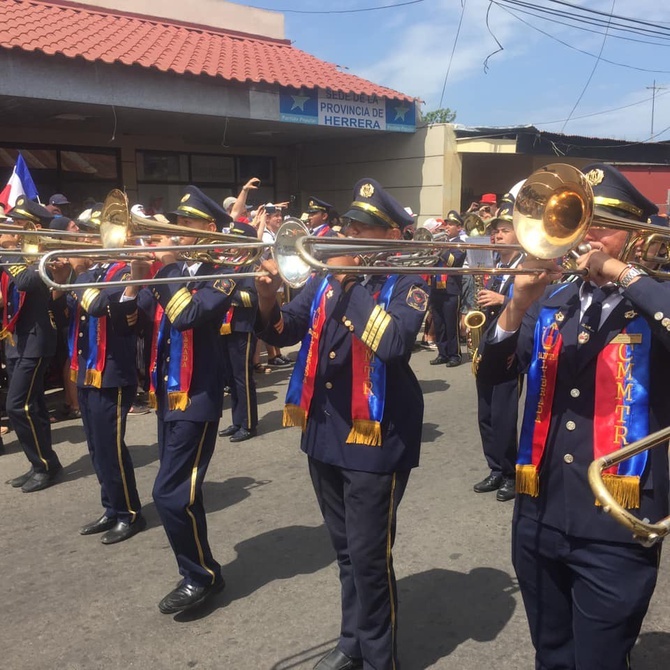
97,341
227,323
18,297
621,409
368,375
179,362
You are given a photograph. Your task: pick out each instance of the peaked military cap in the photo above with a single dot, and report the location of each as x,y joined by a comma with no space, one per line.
194,204
316,205
29,210
90,218
241,228
613,191
454,216
504,214
372,205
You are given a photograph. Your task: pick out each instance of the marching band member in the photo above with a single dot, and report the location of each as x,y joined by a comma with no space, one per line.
498,404
239,343
360,408
187,393
596,353
29,333
445,298
103,351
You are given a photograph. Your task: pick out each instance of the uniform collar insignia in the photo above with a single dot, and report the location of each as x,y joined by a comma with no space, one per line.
560,316
630,314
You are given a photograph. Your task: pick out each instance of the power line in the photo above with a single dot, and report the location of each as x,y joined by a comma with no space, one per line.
338,11
453,50
588,81
574,48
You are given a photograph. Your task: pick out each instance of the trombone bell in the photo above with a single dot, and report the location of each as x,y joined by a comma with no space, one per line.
553,210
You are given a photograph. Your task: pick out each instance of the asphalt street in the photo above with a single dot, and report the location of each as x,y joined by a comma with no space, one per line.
71,603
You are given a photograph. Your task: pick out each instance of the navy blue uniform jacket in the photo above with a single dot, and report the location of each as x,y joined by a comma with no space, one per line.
202,312
450,258
348,315
566,501
35,329
121,325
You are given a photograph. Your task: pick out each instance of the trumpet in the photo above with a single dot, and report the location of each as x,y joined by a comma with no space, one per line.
644,531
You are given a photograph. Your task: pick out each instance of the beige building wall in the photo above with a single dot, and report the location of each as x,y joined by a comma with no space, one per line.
215,13
422,170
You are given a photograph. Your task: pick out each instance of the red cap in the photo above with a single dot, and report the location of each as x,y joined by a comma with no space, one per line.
489,199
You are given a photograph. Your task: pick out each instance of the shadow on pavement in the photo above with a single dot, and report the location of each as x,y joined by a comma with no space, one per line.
217,496
440,609
650,650
430,432
433,385
281,553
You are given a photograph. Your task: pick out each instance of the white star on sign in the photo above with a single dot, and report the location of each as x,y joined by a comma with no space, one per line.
299,102
400,112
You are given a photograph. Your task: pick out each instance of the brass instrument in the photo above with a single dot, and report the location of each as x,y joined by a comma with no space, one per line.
474,225
474,321
646,532
554,210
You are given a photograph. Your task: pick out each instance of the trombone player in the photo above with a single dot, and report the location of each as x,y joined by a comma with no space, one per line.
596,352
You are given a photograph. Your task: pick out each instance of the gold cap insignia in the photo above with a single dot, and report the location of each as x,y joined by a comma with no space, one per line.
595,177
312,204
186,197
96,214
367,190
19,201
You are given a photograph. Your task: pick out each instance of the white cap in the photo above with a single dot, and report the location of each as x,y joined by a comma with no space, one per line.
410,212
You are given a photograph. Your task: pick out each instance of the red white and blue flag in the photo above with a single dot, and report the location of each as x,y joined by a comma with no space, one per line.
20,183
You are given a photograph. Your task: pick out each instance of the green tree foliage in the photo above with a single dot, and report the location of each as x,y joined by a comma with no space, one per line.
442,115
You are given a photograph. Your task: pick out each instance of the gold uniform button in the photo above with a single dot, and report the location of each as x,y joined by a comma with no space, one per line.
351,328
347,323
165,378
167,359
80,352
568,458
81,334
82,318
575,393
344,320
332,355
571,425
167,341
658,316
329,385
665,322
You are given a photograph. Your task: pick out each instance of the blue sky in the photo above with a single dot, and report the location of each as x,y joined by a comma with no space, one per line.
533,80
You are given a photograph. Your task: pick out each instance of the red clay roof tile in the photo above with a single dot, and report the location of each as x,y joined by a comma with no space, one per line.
114,37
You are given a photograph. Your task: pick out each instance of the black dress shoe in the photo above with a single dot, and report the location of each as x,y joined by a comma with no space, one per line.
123,530
42,480
227,432
243,434
19,481
186,596
491,483
440,360
507,490
453,362
98,526
336,659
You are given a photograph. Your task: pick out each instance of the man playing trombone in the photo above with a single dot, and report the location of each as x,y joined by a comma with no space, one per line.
596,353
360,408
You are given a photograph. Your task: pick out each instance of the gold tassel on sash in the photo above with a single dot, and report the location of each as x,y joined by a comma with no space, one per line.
6,335
93,378
294,415
225,329
527,480
624,489
152,400
177,400
367,432
73,375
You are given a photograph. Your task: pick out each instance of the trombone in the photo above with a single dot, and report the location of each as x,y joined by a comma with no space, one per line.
644,531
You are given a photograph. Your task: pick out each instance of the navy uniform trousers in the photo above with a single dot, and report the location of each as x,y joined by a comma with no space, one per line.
445,309
238,354
497,413
359,509
185,449
104,412
27,410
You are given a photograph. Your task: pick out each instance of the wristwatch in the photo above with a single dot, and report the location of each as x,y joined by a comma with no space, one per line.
629,274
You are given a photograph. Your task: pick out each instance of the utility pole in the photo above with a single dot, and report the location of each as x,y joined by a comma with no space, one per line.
653,89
